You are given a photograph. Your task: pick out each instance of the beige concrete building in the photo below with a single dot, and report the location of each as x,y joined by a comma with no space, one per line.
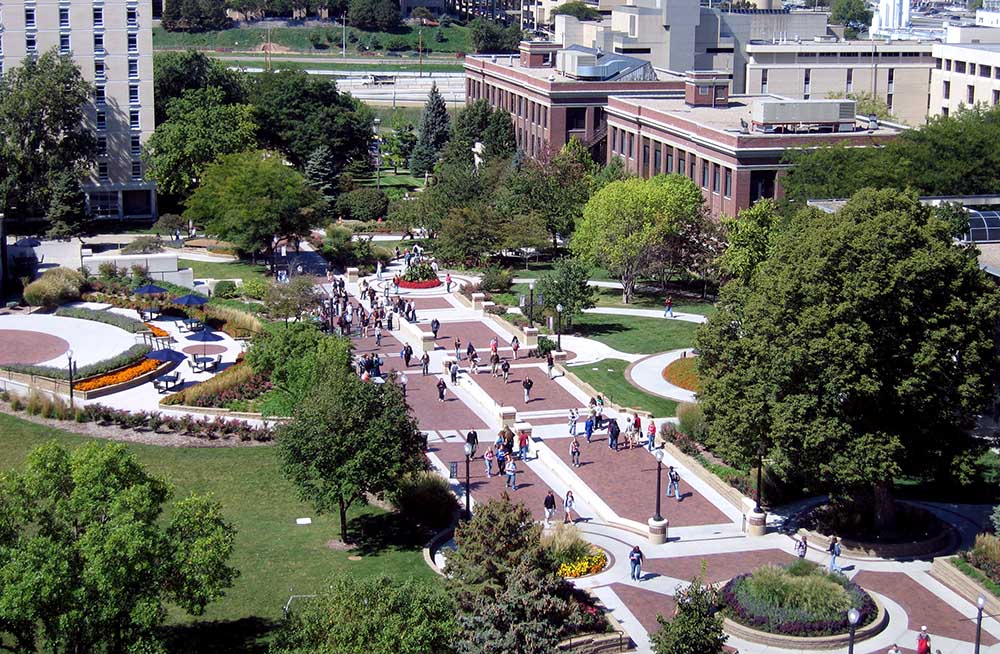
112,43
898,72
965,74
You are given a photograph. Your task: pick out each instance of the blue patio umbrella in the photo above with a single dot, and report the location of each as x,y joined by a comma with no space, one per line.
172,356
190,300
149,289
204,336
29,242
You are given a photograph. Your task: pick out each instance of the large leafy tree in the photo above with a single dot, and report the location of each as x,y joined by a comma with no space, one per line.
347,440
498,138
194,16
751,238
249,197
567,284
177,72
377,615
626,221
859,351
43,133
373,15
852,14
298,113
488,36
199,128
88,563
696,627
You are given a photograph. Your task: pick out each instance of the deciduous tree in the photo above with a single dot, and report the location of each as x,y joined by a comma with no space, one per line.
751,238
177,72
567,285
696,627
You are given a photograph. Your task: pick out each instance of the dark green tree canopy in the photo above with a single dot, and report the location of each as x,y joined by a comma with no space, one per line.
696,628
373,15
194,16
176,72
857,352
578,10
488,36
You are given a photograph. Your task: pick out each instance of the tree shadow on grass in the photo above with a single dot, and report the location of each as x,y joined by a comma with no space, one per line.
243,636
599,328
376,533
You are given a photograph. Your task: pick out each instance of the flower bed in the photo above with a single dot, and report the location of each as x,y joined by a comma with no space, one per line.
682,373
799,600
590,564
430,283
118,376
156,331
238,383
128,357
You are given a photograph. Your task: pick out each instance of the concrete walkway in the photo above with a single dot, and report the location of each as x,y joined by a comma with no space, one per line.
647,374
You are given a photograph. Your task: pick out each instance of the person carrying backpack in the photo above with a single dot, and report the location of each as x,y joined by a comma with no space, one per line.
834,551
635,563
673,483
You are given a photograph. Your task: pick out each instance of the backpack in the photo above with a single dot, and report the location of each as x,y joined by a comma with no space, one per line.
674,476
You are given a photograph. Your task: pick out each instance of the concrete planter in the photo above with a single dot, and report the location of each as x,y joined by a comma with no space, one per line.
943,569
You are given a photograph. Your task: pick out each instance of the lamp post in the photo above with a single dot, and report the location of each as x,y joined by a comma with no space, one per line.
659,467
69,355
559,310
468,457
760,464
852,617
980,605
531,303
330,313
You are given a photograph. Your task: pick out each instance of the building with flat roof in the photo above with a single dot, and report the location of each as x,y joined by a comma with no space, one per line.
965,74
733,147
112,43
898,72
555,93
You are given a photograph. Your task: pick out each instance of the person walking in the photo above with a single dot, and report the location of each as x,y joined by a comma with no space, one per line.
402,383
511,471
472,438
435,326
526,385
801,546
635,562
894,649
495,364
613,432
454,372
458,349
378,336
425,364
488,457
515,345
407,354
378,271
441,386
550,508
572,421
923,641
834,551
470,350
651,432
668,307
674,483
505,369
447,282
568,503
551,363
522,445
588,428
501,459
574,452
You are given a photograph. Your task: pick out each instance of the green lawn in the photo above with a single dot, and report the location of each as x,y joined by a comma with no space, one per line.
223,270
611,297
636,335
409,114
389,179
405,65
457,39
608,377
276,557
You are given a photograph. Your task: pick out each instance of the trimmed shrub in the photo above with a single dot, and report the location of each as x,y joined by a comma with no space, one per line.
130,325
254,287
226,290
168,223
144,245
364,204
566,544
56,286
426,499
691,421
545,345
497,279
420,272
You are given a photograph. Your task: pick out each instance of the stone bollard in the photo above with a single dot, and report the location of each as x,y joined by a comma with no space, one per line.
427,342
756,522
478,299
508,416
530,337
352,275
559,356
658,531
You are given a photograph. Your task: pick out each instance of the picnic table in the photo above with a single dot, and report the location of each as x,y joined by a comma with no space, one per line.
167,382
149,314
191,324
205,363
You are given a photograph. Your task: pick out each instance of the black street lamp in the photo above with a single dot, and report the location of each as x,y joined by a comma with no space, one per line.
559,310
531,303
659,467
980,605
69,355
852,617
468,457
760,465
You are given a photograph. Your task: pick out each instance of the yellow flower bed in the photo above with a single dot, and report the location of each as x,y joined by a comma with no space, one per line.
123,375
588,565
157,332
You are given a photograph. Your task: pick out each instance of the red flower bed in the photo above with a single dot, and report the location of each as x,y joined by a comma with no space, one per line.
430,283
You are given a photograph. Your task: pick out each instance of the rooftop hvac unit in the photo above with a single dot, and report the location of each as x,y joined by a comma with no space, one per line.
804,112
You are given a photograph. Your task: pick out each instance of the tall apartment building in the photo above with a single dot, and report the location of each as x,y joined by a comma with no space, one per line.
966,74
112,43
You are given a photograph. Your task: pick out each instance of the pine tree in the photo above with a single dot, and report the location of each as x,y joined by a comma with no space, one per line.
423,158
67,211
435,125
321,171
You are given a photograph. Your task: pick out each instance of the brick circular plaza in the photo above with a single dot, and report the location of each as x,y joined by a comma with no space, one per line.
27,347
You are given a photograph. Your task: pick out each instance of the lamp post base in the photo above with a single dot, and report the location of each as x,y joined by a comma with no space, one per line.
658,531
756,523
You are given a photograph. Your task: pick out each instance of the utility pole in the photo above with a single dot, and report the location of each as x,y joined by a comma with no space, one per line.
343,47
420,51
267,51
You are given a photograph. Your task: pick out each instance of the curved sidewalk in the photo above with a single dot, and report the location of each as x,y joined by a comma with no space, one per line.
647,375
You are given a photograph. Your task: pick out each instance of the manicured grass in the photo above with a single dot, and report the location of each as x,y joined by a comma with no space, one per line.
408,114
276,557
223,270
608,377
389,179
403,67
612,297
636,335
457,38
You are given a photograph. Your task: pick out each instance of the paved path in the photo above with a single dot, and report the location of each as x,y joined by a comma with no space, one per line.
647,374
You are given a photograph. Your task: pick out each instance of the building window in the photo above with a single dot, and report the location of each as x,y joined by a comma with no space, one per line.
132,15
136,170
892,80
102,146
133,118
102,120
64,44
133,68
29,44
806,83
946,90
888,100
135,145
614,139
727,189
645,159
970,94
63,16
947,64
850,80
102,171
29,17
133,43
715,178
670,162
657,159
960,67
98,43
631,144
133,94
98,17
996,97
704,174
985,71
633,26
100,96
680,163
944,111
763,81
99,69
691,168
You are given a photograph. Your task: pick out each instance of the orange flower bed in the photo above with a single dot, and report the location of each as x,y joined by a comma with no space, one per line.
119,376
157,332
682,373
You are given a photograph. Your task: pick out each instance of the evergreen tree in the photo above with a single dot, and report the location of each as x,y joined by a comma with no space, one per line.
697,624
67,204
498,137
423,158
434,122
321,171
